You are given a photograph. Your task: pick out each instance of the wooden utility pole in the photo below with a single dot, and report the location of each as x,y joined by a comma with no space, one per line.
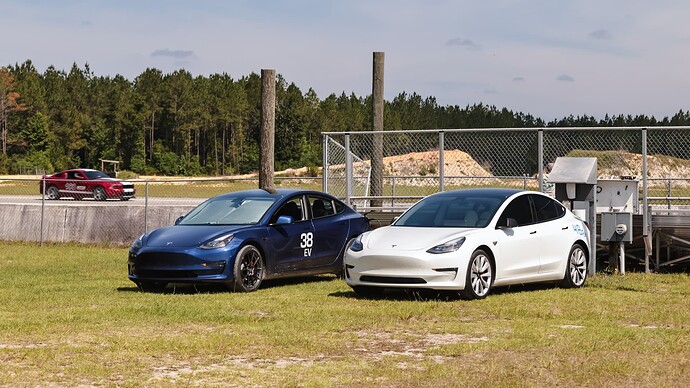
377,121
268,130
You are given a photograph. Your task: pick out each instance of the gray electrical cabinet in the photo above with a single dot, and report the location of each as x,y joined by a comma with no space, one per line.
616,227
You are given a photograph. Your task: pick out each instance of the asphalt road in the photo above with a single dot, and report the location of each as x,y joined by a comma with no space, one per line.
152,201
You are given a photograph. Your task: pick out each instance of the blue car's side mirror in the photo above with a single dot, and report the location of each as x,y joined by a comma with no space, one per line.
177,221
282,220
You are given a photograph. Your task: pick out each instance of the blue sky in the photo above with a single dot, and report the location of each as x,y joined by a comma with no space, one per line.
544,57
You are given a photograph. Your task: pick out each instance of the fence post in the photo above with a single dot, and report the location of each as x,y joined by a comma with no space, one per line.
441,161
348,171
540,158
377,106
668,200
146,208
393,191
324,167
645,201
43,205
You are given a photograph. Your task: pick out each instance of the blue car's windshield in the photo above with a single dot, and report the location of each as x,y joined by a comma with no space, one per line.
453,211
229,211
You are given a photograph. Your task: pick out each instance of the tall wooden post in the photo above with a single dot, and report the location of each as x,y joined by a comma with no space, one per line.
268,129
377,121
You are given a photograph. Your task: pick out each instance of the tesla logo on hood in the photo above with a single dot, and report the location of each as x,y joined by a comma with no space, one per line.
168,243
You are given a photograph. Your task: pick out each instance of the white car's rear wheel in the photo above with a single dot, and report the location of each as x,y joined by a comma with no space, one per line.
479,276
576,269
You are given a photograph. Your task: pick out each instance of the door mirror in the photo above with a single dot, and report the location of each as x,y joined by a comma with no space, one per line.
507,223
180,218
282,220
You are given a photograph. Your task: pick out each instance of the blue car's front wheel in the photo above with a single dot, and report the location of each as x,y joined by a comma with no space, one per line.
249,269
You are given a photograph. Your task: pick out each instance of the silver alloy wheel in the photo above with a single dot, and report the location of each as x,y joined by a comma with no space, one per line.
53,192
577,265
99,194
480,275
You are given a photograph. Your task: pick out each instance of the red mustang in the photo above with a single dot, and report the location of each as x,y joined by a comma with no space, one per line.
86,183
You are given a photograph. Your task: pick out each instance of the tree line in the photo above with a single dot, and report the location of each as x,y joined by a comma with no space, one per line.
178,124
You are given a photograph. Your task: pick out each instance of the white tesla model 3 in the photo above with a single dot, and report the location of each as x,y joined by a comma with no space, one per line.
470,241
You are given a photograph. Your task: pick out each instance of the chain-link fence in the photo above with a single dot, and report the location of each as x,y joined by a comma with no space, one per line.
413,167
419,163
27,213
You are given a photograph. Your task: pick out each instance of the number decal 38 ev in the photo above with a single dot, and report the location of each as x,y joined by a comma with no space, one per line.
306,242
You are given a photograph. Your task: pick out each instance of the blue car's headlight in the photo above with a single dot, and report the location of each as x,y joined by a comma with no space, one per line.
138,243
218,242
447,247
357,245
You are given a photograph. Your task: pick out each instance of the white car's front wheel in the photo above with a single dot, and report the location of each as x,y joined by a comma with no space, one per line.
479,276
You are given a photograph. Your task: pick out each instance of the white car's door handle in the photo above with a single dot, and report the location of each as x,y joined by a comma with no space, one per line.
564,228
533,232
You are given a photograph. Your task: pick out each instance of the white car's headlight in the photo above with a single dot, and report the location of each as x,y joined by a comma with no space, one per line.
357,245
447,247
219,242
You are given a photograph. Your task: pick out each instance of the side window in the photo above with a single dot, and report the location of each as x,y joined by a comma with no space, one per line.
292,208
546,208
519,209
339,207
321,207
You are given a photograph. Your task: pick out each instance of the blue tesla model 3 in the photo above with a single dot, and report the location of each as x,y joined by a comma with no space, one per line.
245,237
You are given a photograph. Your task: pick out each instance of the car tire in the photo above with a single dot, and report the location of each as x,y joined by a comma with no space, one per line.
576,268
479,278
249,269
53,193
368,292
99,194
152,286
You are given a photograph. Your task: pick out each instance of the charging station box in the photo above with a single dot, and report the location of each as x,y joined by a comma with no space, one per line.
612,224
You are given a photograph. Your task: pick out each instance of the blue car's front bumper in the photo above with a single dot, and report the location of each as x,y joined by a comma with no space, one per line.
192,265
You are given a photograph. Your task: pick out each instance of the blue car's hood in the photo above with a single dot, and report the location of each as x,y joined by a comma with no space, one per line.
188,235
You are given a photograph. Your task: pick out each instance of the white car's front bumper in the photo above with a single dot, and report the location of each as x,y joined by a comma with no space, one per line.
406,269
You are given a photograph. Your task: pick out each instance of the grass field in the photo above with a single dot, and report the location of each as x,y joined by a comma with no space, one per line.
70,317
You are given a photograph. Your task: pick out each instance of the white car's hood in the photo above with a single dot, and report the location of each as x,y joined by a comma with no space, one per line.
404,238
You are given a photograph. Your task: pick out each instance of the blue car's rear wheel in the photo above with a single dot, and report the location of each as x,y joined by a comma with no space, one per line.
576,269
249,269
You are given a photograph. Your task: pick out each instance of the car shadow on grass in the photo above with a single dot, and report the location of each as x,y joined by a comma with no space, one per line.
186,288
392,294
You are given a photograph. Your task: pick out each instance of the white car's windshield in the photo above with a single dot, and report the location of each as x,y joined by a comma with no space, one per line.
229,211
458,211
